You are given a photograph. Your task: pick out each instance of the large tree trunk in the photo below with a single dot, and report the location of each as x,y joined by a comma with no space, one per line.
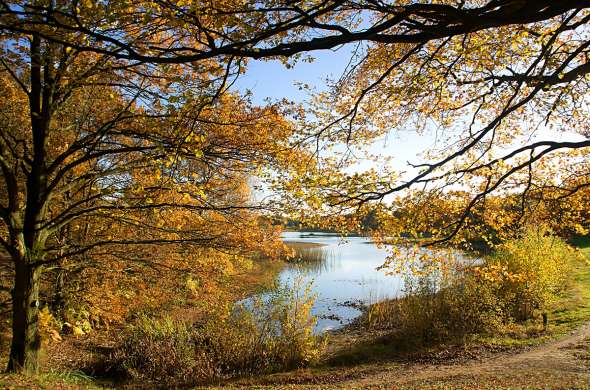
26,341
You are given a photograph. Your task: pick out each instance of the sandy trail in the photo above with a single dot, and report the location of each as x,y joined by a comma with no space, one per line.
552,365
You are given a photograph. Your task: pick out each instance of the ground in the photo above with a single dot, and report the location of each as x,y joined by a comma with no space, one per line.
560,364
556,359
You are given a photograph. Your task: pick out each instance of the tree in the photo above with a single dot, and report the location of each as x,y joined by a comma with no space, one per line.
485,94
98,154
484,72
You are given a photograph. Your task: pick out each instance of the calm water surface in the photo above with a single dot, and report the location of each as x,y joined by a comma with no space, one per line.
347,276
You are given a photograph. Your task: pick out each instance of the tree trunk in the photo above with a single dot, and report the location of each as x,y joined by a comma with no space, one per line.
26,341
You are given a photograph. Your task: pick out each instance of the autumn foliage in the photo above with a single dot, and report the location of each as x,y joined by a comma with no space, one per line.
128,158
453,299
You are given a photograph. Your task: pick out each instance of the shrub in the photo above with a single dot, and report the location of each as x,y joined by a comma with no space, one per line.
436,308
530,271
267,334
294,343
523,275
262,335
161,348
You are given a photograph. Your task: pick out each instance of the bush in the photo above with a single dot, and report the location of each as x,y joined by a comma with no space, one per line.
523,276
439,307
259,336
530,271
157,349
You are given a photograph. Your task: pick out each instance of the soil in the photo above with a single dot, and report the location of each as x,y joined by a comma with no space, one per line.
560,364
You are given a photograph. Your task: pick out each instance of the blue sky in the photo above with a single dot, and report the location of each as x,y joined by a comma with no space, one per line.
272,80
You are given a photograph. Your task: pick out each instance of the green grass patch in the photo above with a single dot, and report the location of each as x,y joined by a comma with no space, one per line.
574,307
72,377
53,379
570,311
583,243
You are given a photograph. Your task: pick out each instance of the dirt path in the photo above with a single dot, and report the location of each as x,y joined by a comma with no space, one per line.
554,354
558,364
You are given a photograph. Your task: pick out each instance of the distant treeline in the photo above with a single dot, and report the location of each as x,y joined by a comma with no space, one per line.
368,222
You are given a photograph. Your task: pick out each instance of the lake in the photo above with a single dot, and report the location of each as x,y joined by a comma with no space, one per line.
348,276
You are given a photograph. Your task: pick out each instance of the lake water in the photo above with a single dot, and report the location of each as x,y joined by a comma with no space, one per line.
347,276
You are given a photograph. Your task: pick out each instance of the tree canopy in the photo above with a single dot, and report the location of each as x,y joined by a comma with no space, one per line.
120,127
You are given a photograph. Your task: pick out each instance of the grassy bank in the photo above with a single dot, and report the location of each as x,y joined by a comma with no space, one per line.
570,312
574,308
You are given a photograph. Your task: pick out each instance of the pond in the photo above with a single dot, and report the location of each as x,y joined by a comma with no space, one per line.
345,277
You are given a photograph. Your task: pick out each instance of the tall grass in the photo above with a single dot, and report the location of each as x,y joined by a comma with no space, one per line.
265,335
306,252
435,309
311,257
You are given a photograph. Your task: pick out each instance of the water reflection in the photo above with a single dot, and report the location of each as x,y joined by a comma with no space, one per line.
344,275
